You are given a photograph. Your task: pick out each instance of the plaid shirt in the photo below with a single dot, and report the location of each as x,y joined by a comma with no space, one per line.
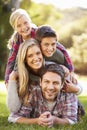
68,62
64,107
14,51
13,54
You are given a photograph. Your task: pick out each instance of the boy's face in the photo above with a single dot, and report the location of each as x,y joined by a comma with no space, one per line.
50,84
48,46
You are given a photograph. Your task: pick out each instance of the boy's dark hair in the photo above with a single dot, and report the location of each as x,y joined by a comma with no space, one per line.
43,32
55,68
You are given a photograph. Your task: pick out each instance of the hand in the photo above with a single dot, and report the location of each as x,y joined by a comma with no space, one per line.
46,119
70,87
13,75
66,70
72,78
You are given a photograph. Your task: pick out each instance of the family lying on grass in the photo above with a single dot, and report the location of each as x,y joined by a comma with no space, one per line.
39,76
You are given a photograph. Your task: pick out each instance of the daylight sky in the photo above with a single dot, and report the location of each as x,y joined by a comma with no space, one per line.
62,4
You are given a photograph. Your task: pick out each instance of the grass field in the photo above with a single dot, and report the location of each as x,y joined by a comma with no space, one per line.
4,125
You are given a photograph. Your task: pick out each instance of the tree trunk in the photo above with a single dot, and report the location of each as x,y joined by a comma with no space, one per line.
14,4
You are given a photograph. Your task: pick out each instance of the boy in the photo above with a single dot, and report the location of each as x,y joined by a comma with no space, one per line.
51,50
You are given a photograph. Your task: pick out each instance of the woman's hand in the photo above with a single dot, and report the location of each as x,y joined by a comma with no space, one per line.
13,75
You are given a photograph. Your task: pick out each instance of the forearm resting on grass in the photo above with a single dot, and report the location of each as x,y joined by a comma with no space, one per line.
13,101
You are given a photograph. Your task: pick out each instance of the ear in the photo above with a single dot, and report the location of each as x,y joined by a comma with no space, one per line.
40,82
62,85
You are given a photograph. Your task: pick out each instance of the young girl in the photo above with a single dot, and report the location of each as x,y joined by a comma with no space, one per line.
23,30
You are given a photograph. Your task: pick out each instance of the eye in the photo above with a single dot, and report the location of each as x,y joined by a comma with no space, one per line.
46,44
25,22
53,44
19,25
38,53
46,81
30,56
56,83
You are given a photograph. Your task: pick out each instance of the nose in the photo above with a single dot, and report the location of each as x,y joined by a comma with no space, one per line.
23,28
51,86
50,48
35,57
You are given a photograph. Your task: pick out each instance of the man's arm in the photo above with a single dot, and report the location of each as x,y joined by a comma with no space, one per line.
24,120
68,115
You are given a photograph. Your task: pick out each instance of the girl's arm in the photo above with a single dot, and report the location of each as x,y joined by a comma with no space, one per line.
12,58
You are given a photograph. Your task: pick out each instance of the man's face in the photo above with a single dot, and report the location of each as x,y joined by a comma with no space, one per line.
48,46
51,84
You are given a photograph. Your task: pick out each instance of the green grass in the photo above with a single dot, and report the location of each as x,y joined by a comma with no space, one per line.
4,125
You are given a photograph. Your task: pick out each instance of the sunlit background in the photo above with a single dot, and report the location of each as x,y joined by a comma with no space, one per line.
67,17
62,4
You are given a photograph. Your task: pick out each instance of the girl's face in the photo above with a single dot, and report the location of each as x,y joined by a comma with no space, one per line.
34,58
23,27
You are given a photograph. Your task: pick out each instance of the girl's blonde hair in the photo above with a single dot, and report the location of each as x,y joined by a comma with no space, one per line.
23,68
13,20
16,15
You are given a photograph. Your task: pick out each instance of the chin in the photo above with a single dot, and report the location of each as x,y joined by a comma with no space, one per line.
49,55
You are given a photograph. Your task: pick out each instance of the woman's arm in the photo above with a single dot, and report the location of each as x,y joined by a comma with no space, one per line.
13,101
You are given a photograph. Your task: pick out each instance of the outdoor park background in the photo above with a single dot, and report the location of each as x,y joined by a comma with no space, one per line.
71,27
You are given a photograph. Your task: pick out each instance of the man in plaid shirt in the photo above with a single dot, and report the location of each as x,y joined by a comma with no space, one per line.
47,104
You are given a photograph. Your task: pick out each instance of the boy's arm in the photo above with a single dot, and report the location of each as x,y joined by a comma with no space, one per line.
68,62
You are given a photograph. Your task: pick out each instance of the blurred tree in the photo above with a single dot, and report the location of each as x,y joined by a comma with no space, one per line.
76,27
5,31
78,53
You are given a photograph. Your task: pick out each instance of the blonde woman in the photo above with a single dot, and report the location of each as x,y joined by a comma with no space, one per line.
30,61
23,30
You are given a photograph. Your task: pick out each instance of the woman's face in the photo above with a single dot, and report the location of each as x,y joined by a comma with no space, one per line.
34,58
23,27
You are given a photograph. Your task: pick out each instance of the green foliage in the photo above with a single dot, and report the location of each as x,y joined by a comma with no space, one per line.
79,53
5,32
4,125
76,27
41,13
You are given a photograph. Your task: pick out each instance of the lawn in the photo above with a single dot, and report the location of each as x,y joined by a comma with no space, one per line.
4,125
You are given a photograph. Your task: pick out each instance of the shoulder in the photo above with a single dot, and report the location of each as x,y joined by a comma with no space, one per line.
15,39
68,97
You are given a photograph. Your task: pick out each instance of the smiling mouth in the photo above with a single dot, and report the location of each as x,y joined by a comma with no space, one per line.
50,93
36,63
50,52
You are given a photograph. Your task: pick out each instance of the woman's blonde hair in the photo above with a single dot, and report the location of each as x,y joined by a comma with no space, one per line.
23,68
16,15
